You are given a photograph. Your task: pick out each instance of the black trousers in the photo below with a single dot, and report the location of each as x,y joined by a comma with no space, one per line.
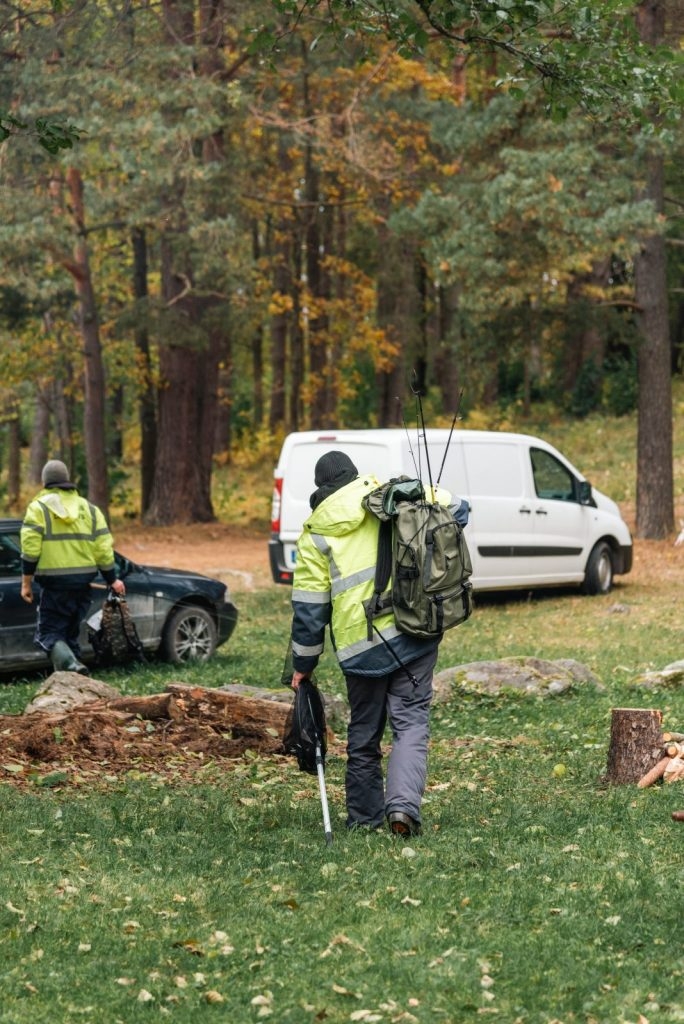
60,614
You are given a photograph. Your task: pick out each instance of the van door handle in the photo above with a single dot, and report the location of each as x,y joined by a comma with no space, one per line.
525,511
542,512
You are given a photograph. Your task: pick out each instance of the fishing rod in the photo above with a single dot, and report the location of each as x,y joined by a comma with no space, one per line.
408,438
416,391
453,424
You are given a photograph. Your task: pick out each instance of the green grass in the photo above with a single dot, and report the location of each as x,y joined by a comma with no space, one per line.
535,895
543,898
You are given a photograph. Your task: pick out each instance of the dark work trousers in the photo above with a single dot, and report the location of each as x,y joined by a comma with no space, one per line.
60,614
373,701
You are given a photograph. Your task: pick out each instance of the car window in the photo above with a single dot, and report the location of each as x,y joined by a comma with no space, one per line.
551,478
10,555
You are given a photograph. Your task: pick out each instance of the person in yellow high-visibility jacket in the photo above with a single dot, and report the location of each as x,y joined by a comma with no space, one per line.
389,674
65,541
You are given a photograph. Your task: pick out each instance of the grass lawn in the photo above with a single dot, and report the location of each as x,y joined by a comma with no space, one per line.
535,894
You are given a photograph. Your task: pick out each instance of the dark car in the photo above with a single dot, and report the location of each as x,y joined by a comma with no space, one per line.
180,616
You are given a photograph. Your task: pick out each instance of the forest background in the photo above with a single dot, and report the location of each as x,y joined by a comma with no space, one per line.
223,221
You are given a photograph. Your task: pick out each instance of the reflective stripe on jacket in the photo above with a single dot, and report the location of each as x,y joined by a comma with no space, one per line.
334,575
65,540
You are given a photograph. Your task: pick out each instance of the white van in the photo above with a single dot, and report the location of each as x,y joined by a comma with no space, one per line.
534,520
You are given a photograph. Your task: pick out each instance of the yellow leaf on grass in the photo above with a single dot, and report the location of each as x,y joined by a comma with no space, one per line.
342,991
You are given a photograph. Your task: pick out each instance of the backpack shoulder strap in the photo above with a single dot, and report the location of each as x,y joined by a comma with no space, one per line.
383,571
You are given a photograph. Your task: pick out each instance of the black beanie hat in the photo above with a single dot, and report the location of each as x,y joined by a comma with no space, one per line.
330,465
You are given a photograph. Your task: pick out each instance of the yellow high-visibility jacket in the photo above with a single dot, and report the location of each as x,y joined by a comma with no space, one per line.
334,575
65,540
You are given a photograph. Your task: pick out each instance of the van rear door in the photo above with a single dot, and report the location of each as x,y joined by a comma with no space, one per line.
297,482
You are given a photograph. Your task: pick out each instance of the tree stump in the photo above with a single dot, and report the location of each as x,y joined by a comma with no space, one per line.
636,744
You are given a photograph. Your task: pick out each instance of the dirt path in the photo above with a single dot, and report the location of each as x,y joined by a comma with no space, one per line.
238,558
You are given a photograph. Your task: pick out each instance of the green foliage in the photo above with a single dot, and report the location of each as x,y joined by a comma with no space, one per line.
586,393
577,55
53,134
620,388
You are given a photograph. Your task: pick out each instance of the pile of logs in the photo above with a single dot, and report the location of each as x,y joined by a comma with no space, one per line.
670,767
640,752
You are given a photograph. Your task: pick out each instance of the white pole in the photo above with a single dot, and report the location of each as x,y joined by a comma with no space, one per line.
324,796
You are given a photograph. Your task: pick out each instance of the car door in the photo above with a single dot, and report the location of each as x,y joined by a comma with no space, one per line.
17,617
500,533
561,523
146,605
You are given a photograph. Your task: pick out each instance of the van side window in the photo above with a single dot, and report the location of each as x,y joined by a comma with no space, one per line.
551,478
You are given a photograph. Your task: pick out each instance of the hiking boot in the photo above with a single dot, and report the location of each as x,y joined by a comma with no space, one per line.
403,825
64,660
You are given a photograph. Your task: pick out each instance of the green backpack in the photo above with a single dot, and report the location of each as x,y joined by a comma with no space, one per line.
423,550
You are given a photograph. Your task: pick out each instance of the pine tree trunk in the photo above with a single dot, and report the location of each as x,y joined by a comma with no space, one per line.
94,376
40,432
13,455
447,369
187,400
147,410
257,347
279,329
398,312
655,484
296,361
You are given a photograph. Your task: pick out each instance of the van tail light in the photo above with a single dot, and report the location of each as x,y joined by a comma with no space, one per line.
276,504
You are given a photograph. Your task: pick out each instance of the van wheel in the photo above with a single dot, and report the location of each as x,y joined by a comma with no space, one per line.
598,578
189,635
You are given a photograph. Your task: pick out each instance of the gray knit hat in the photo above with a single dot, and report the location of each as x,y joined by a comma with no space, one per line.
54,472
330,465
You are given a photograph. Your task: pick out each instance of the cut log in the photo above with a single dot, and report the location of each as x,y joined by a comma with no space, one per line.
149,706
674,772
636,744
242,715
673,737
655,773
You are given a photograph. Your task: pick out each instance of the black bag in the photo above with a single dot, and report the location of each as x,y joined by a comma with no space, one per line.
115,641
305,732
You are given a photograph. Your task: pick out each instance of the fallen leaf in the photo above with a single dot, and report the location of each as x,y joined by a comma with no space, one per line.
342,991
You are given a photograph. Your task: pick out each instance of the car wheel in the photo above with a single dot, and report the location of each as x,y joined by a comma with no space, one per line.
598,578
189,635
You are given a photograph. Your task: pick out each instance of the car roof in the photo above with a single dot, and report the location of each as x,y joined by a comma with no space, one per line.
9,525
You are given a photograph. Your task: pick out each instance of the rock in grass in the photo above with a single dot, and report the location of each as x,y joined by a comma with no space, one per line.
672,677
535,677
65,690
